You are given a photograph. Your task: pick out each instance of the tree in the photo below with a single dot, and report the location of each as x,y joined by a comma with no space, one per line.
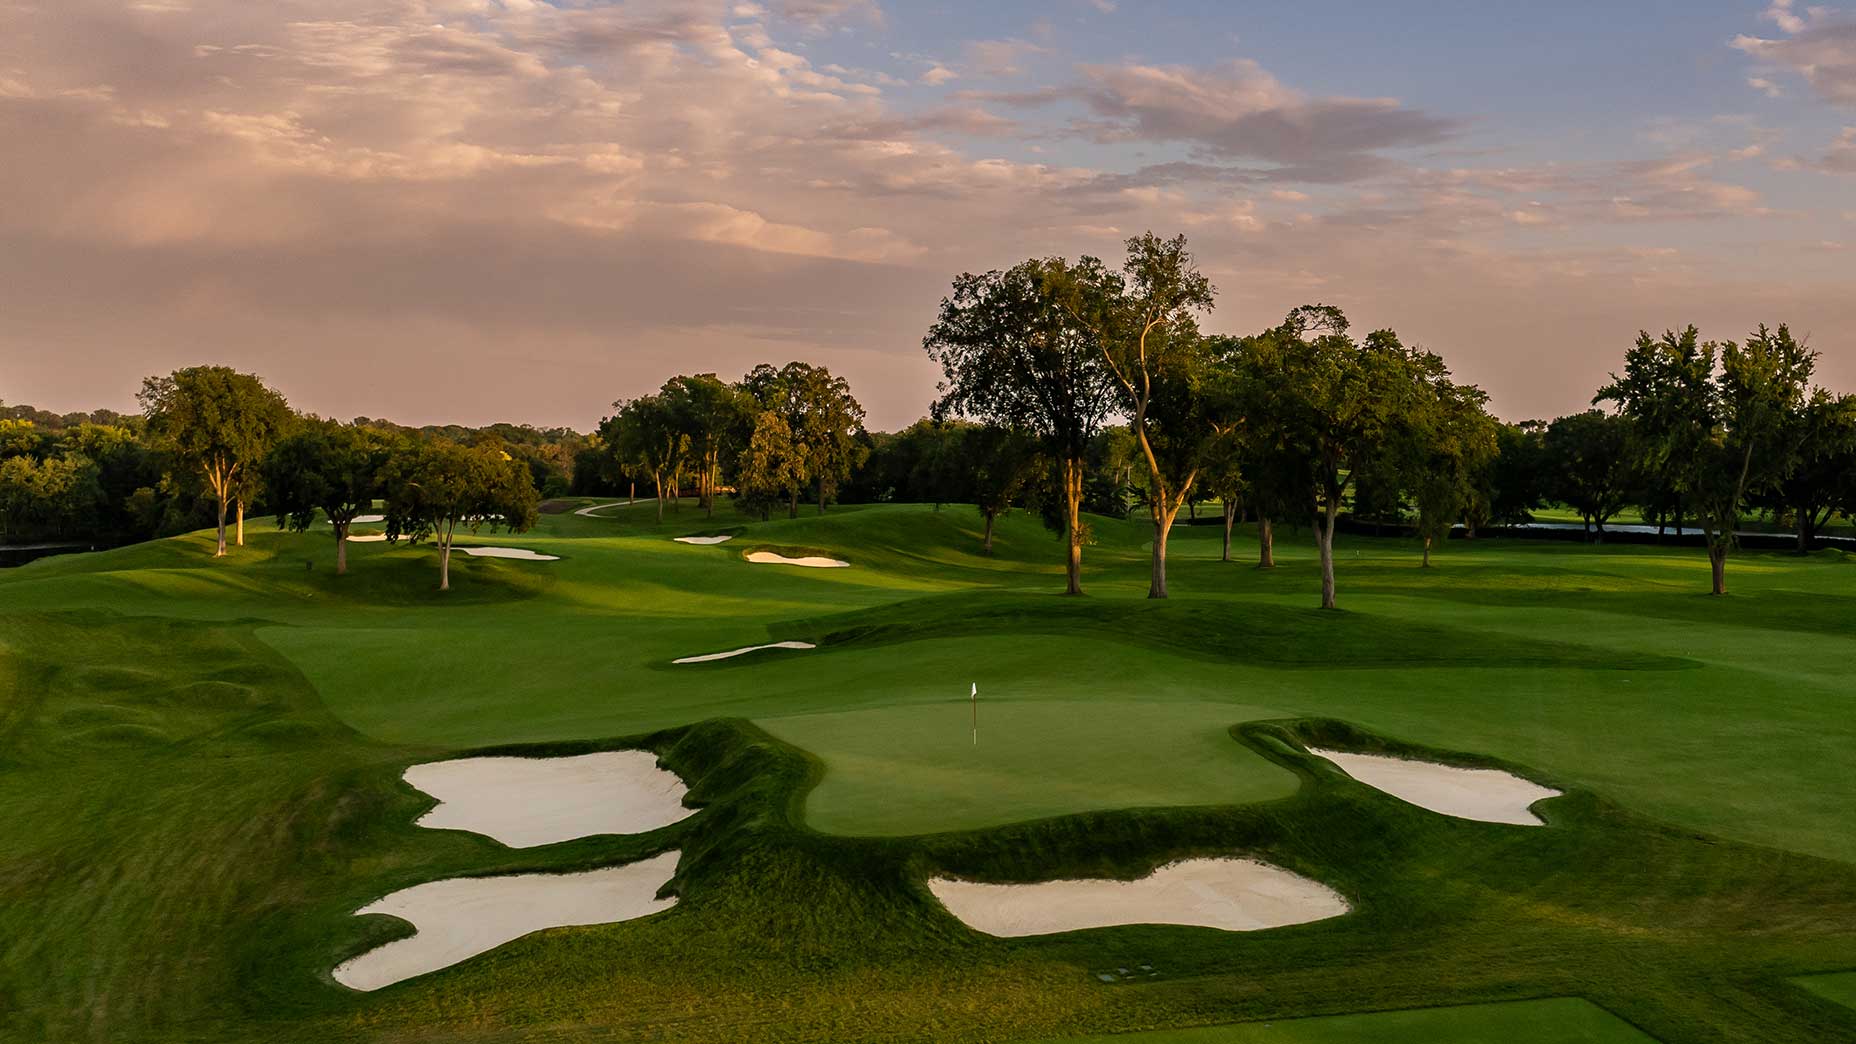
1718,433
649,432
1513,482
991,467
772,467
1823,432
328,467
1152,346
710,413
216,423
1590,468
1334,408
436,485
1013,353
824,419
1458,442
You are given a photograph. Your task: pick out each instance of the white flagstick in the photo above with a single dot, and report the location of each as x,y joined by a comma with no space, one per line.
976,714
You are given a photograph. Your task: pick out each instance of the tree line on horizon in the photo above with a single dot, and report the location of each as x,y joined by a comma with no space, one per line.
1070,389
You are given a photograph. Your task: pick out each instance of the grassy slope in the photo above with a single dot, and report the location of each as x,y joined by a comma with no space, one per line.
1555,1021
142,817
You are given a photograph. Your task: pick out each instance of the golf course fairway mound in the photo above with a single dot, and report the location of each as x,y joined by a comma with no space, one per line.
458,919
521,553
808,561
1488,795
524,802
743,651
1236,895
704,540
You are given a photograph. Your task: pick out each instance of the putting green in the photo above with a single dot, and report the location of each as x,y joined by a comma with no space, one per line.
1556,1021
917,768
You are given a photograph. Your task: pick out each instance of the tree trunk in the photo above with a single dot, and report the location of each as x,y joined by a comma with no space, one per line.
1427,552
632,497
821,494
986,544
1717,563
1804,530
1266,543
444,532
221,552
710,469
1324,542
1230,517
1073,525
792,505
1163,523
241,522
659,479
341,549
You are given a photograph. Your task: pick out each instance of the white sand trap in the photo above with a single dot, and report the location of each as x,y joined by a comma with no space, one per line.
459,918
1489,795
522,553
368,538
524,802
588,511
362,520
743,651
812,562
1237,895
703,540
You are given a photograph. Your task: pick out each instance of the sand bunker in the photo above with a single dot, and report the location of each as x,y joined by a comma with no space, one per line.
743,651
368,538
703,540
813,562
361,520
1237,895
524,802
462,917
1489,795
522,553
588,511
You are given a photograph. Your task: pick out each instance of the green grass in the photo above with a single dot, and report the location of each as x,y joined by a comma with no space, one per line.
1555,1021
199,767
1838,986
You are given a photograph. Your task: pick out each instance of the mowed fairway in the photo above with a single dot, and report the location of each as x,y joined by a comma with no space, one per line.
199,767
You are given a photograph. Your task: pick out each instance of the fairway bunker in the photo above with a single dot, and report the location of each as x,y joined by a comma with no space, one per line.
520,553
703,540
1235,895
1487,795
810,562
368,538
743,651
361,520
458,918
524,802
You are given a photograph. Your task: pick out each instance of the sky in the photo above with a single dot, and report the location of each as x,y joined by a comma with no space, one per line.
478,210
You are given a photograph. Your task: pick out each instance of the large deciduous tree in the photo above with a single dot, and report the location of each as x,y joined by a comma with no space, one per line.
1590,464
825,422
1335,408
217,425
1456,443
711,413
1150,340
436,485
648,432
327,467
1014,353
1713,418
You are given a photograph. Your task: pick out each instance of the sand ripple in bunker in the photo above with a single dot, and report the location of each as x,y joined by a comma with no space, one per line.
524,802
810,562
1488,795
743,651
703,540
521,553
459,918
1236,895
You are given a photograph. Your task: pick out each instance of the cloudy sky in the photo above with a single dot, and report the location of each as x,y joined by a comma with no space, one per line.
476,210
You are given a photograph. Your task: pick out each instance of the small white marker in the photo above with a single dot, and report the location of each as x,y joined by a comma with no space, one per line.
976,714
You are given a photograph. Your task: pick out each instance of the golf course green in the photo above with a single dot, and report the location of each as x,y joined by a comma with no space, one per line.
201,759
